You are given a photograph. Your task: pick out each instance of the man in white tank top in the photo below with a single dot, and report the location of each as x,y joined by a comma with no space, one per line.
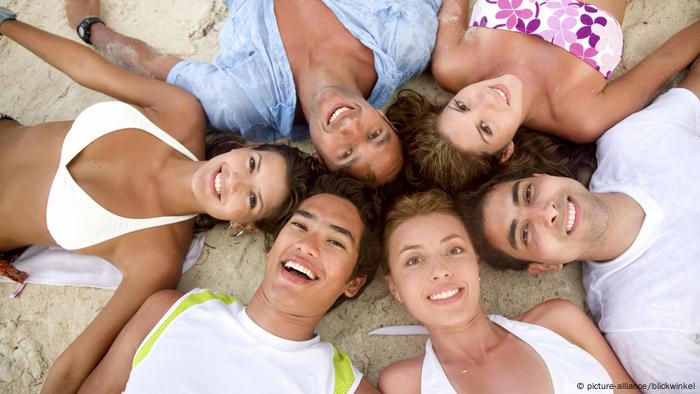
208,342
636,229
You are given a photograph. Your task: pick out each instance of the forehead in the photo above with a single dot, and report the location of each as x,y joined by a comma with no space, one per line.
412,230
380,164
273,183
331,210
499,209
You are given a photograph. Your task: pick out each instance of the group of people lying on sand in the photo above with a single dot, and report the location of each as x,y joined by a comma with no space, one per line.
494,174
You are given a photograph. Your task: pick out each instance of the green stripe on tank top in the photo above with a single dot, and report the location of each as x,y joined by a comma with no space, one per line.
190,301
344,375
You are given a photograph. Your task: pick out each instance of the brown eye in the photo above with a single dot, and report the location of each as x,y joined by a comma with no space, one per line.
345,154
461,106
251,164
524,233
528,194
485,128
253,199
374,134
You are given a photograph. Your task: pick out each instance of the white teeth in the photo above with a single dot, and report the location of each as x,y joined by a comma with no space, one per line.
572,216
300,268
337,113
502,94
217,183
444,295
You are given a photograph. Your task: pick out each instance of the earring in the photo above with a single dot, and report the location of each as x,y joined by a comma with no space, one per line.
232,228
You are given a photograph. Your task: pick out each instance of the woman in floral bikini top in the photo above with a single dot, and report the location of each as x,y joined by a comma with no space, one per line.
511,65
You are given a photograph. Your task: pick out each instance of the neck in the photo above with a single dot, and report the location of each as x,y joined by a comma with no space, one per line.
280,323
625,219
174,186
466,344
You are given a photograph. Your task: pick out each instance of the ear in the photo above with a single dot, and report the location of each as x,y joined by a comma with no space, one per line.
248,228
539,268
507,152
392,288
354,286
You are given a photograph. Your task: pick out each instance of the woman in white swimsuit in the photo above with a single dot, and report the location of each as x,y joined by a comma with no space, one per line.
542,64
549,349
114,184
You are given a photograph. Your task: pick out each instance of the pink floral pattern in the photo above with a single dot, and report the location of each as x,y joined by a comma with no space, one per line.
588,33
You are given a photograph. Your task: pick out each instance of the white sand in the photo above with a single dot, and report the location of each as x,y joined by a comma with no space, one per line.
37,326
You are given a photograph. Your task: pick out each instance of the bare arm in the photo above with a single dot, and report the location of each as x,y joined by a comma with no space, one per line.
634,90
113,371
451,53
365,387
146,270
569,321
401,377
174,108
692,79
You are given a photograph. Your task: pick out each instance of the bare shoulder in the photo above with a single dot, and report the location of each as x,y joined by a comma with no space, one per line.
402,376
184,119
561,316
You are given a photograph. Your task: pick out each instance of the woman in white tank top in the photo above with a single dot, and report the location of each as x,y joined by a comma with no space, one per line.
433,270
114,184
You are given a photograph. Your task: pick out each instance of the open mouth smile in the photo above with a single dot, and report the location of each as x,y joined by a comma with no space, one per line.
298,271
446,296
335,115
571,215
503,92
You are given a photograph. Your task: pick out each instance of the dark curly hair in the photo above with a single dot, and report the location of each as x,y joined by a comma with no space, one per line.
432,161
302,169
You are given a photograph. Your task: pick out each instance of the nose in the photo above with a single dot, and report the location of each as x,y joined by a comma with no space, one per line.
307,246
547,213
440,271
351,129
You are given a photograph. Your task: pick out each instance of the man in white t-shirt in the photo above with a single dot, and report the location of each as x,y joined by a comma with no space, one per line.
208,342
636,228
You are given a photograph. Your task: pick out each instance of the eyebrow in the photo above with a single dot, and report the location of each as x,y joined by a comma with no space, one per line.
343,231
346,166
514,223
516,200
409,247
478,131
335,227
262,203
449,237
384,140
511,234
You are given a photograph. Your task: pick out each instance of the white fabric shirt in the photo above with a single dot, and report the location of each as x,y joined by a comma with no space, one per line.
206,343
568,364
647,301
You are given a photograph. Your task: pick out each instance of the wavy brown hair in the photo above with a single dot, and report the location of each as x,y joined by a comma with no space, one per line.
432,161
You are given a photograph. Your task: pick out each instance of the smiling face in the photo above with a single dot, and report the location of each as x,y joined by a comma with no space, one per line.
434,273
552,220
242,186
484,116
349,134
310,264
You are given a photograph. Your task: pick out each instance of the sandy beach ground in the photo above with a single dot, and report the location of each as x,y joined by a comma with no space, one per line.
38,325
